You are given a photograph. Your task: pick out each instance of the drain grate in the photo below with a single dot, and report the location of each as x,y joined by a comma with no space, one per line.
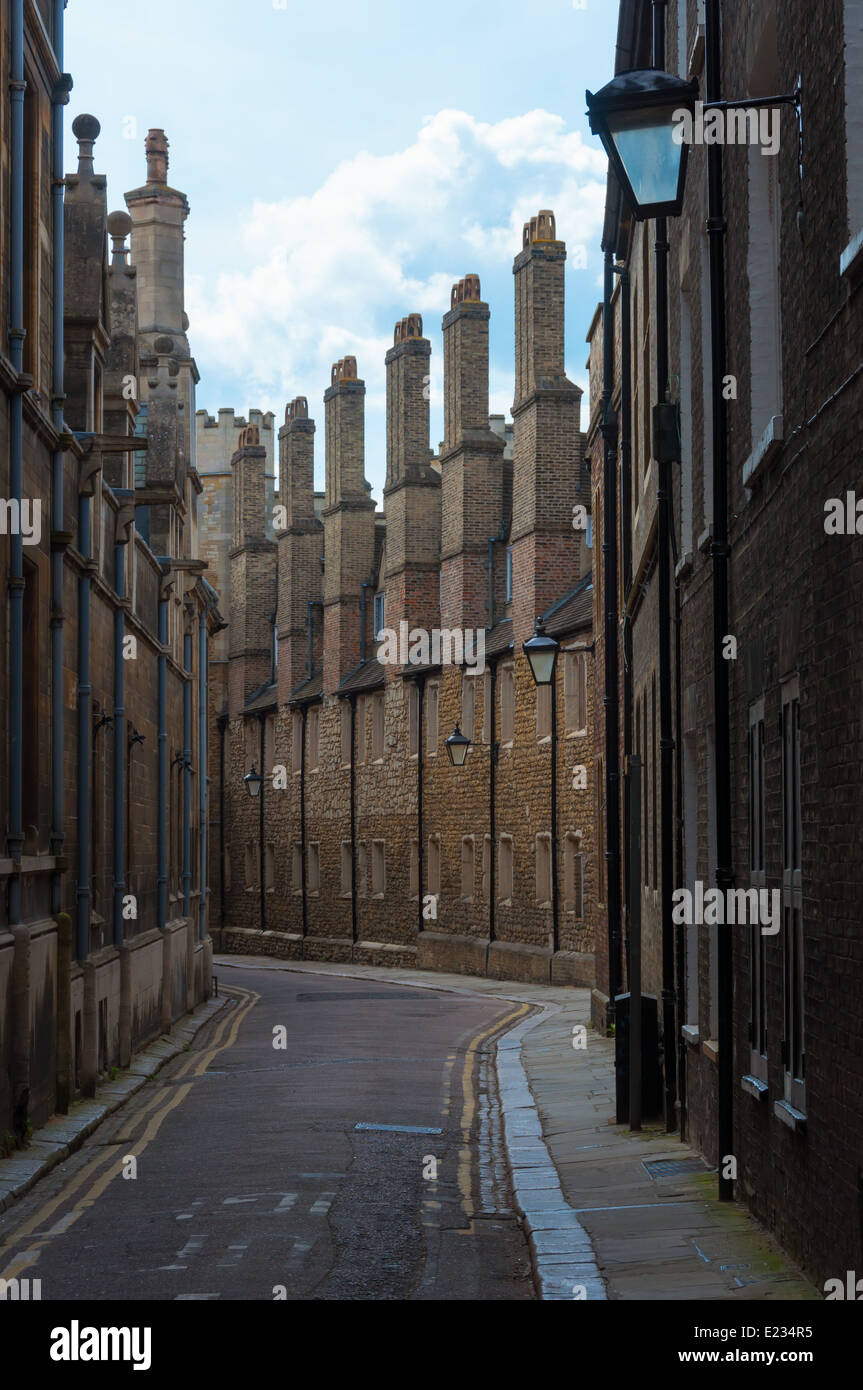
671,1167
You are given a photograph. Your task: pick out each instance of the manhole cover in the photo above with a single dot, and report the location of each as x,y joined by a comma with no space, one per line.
671,1167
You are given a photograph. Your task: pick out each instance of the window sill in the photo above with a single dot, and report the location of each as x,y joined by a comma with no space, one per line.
754,1087
705,538
378,897
504,902
710,1049
576,733
768,445
544,905
691,1035
851,259
543,738
794,1119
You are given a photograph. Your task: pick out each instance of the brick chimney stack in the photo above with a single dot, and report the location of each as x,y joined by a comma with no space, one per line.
349,521
548,555
412,492
253,560
300,545
471,461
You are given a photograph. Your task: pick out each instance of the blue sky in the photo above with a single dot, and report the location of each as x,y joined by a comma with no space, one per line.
345,163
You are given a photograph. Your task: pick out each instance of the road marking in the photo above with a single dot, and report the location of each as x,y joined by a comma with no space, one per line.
287,1201
322,1205
399,1129
465,1185
192,1246
33,1224
194,1297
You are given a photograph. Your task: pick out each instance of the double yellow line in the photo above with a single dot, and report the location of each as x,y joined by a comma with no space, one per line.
465,1183
195,1064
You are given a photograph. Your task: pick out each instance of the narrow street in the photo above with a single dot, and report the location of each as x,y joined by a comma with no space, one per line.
302,1171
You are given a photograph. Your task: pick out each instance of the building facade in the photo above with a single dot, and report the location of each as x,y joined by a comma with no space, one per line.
106,615
772,455
359,641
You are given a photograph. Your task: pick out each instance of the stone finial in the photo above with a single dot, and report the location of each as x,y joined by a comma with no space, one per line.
539,228
250,437
410,327
156,149
344,370
86,131
467,291
119,227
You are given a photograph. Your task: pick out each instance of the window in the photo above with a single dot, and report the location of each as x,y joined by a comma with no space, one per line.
793,1046
690,832
507,704
253,744
296,740
487,685
712,856
758,880
467,868
269,746
251,865
414,870
853,151
543,870
297,867
432,697
504,869
378,714
509,574
573,875
468,705
30,358
486,866
346,865
361,729
346,733
433,870
380,613
30,737
543,711
362,871
413,718
600,829
314,884
763,263
313,723
378,868
575,692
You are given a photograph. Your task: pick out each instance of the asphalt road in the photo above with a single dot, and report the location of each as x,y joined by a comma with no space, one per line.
264,1167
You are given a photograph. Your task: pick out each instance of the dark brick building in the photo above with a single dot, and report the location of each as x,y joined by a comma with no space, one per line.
793,400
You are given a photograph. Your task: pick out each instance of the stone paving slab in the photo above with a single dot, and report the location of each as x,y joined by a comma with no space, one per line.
63,1134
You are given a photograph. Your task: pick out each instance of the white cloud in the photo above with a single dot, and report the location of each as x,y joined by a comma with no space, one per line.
327,274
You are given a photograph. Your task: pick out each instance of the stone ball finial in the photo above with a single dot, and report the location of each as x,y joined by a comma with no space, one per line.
86,127
119,226
86,131
163,345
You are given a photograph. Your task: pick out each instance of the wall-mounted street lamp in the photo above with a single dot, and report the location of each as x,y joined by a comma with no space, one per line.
457,745
633,115
541,652
253,781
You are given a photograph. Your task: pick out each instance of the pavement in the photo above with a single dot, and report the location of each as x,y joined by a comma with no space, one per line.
483,1076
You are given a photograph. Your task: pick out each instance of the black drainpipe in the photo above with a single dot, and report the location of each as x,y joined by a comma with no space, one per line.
719,551
666,740
420,742
608,430
310,661
352,699
303,819
223,724
262,720
492,830
625,424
